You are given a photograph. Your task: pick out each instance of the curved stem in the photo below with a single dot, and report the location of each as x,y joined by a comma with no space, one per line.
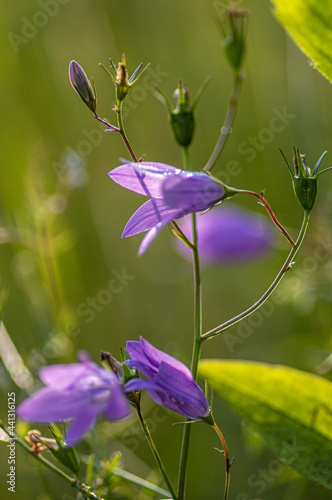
226,129
153,448
123,133
286,266
197,342
105,122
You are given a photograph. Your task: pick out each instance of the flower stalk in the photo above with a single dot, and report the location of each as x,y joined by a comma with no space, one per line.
286,266
152,445
270,212
226,129
228,462
197,339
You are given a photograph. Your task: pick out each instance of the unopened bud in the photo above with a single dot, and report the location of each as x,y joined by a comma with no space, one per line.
233,29
82,85
304,181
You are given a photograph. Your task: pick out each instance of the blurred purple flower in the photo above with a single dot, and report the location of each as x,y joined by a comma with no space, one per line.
174,193
228,234
169,382
77,391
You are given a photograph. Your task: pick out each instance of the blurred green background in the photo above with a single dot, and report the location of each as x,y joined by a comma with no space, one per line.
61,219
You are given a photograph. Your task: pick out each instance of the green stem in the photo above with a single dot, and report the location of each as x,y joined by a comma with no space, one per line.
286,266
123,133
196,346
226,454
85,490
266,205
226,129
153,448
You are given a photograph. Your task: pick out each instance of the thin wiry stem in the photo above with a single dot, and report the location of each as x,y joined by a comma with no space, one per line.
228,463
152,445
226,129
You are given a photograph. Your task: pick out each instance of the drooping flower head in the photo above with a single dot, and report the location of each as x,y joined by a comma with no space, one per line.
168,381
174,193
228,234
77,392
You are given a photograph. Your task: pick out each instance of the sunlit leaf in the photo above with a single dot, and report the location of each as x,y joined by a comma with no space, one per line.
290,409
309,23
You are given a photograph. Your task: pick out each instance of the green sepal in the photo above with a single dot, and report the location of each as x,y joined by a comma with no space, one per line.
305,189
65,455
181,117
183,125
304,182
234,50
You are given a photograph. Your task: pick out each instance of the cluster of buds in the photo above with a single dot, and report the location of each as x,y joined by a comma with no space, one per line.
86,88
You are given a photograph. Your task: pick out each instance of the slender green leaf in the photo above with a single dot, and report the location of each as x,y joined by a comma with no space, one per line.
309,23
290,409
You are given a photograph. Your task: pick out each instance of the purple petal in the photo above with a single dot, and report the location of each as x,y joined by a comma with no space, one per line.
49,405
174,391
192,191
143,368
184,395
156,357
149,215
151,235
140,384
228,234
61,376
80,426
118,405
143,178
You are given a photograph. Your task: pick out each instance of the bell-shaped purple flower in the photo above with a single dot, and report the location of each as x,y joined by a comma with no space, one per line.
77,392
168,381
174,193
228,234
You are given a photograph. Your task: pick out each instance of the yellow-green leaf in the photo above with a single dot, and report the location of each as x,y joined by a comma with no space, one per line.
309,23
290,409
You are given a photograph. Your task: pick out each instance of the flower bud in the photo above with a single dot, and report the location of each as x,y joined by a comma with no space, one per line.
304,181
233,30
82,85
182,118
121,80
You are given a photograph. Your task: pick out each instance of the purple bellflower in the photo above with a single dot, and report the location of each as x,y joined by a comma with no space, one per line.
228,234
79,392
174,193
169,382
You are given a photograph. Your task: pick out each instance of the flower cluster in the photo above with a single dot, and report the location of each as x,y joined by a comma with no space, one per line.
80,392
